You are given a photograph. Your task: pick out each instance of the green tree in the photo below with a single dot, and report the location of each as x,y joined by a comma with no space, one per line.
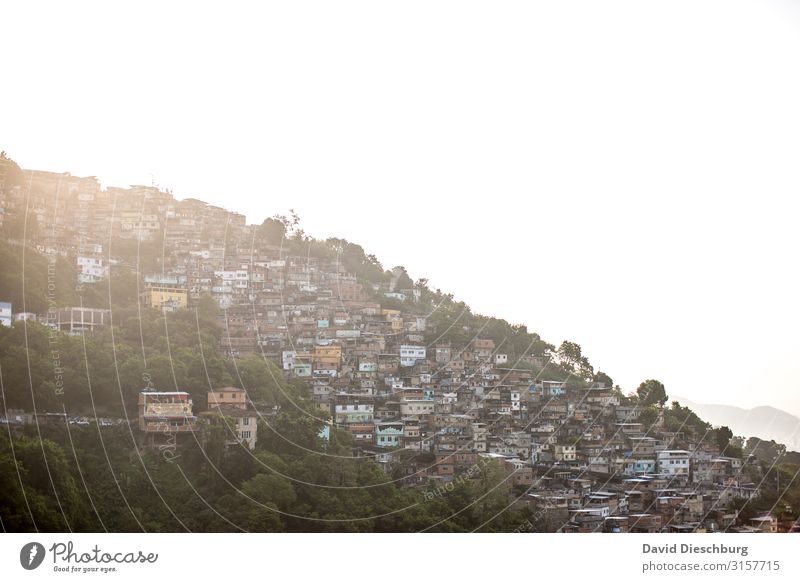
572,360
602,377
722,437
401,279
648,416
261,378
272,231
652,392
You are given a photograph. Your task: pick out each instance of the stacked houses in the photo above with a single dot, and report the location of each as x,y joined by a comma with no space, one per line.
575,453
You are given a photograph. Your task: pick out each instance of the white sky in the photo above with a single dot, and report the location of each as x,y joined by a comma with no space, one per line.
620,174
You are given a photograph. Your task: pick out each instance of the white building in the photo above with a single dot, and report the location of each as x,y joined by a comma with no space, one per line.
673,462
5,314
288,359
238,278
353,413
25,316
565,453
410,354
416,407
91,269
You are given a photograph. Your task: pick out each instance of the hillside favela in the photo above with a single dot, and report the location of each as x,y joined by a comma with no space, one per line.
168,367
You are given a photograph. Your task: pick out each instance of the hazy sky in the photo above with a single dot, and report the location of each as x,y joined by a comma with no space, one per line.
620,174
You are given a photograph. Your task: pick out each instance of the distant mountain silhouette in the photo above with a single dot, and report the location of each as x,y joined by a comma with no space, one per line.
764,422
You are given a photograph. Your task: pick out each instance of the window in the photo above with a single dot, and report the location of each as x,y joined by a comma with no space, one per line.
246,434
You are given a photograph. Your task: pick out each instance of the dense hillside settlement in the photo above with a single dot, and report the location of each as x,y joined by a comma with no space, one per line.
283,383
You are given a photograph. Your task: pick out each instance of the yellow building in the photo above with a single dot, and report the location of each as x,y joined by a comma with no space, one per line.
231,402
165,298
227,396
328,355
391,314
394,316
